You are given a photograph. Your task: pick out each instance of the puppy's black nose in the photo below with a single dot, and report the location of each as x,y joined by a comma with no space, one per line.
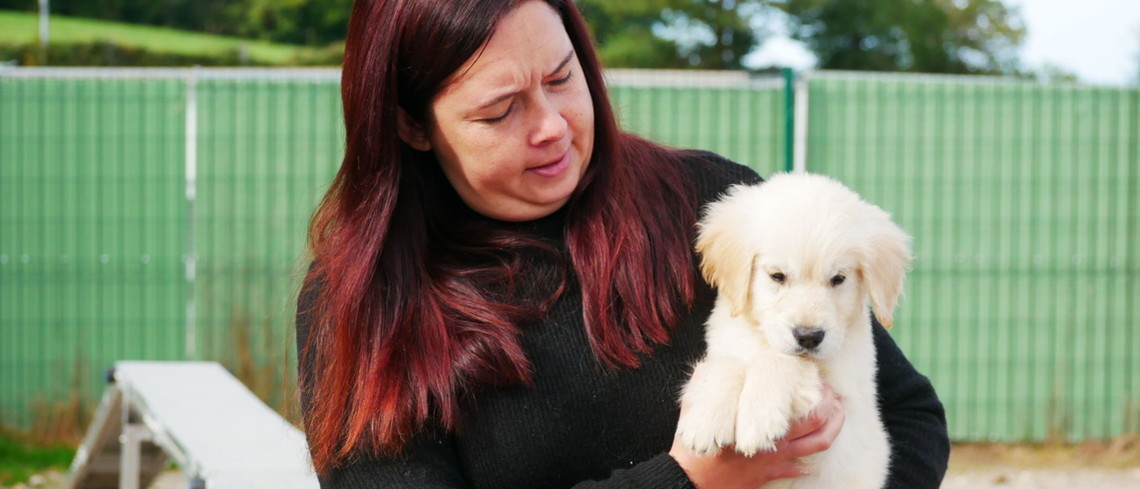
808,338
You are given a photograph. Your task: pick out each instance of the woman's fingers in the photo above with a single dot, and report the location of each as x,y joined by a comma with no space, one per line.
816,432
732,470
814,421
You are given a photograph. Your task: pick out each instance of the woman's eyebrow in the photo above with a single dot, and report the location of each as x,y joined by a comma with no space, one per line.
562,64
565,61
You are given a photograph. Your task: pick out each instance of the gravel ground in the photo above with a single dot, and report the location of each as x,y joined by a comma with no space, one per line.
995,478
1113,465
1077,478
1107,465
1066,478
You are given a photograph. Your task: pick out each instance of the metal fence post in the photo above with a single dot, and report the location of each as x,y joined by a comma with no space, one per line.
191,257
789,118
800,123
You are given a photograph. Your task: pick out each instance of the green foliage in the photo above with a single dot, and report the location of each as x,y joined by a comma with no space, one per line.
728,23
202,14
103,43
709,34
639,48
307,22
932,36
19,459
623,32
106,53
935,36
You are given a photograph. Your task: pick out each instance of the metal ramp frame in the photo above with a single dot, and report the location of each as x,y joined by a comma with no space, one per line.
196,414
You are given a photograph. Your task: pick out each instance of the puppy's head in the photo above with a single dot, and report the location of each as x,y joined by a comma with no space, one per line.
800,256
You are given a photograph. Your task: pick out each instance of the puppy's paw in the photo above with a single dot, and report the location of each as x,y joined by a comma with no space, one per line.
705,434
761,422
806,398
709,403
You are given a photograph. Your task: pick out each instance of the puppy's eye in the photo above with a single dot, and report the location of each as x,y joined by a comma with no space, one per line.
837,280
778,277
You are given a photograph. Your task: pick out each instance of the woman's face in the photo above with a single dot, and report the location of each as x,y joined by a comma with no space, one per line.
514,127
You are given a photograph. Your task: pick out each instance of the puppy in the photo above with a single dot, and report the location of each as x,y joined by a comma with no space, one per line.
795,261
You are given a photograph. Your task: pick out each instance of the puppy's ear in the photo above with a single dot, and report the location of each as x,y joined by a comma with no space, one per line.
727,260
885,263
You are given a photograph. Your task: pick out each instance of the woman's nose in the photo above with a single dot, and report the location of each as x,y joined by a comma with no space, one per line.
550,125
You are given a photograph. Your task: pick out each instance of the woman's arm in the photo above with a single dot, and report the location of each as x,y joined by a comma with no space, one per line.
914,418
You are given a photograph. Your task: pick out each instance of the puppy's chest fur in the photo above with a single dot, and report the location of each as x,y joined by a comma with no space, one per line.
746,395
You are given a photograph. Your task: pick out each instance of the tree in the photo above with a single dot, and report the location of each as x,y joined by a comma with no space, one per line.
727,38
623,32
308,22
212,16
933,36
710,34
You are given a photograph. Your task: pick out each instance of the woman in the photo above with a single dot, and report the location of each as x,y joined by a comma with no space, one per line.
503,291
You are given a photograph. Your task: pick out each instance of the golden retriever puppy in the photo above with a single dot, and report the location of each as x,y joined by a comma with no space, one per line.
798,261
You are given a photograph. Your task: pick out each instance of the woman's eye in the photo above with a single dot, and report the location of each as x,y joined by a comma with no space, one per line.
564,80
500,118
778,277
837,280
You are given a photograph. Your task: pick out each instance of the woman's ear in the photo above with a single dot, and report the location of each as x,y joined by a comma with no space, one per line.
411,132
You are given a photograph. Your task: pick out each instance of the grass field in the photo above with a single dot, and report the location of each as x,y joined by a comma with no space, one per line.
20,459
23,28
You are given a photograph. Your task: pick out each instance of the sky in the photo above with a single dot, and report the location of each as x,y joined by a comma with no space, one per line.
1099,41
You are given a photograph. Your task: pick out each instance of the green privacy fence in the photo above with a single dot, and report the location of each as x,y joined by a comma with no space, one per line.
161,214
266,147
158,215
1023,201
731,113
91,234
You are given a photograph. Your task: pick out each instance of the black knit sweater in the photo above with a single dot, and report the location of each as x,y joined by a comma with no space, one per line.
583,425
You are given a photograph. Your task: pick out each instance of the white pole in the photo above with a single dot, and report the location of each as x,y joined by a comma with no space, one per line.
45,13
799,157
191,162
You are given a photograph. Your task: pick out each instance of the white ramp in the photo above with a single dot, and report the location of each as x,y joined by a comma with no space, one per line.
217,431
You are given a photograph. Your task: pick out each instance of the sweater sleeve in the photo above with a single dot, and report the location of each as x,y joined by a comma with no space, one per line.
661,471
914,419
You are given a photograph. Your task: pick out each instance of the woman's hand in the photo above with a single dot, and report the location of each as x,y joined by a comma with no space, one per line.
731,470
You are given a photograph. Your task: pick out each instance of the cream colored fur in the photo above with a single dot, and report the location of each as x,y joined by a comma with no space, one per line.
774,252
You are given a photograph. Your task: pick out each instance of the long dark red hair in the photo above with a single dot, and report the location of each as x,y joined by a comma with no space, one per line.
402,328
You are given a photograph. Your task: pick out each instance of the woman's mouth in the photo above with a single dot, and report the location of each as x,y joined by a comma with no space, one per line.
553,168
